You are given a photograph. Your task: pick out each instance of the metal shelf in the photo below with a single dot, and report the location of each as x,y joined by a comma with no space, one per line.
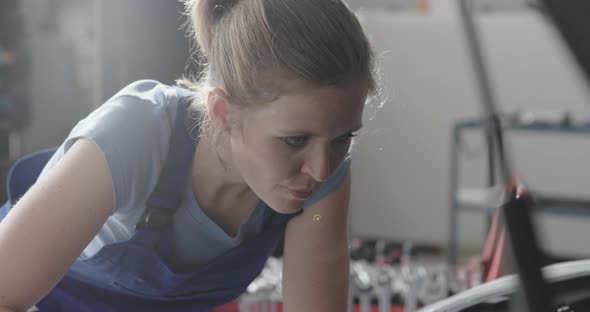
485,200
507,125
481,200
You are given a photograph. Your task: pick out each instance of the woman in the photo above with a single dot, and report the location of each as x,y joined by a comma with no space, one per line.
171,198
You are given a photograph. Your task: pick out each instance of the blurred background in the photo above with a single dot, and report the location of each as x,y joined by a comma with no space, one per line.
60,59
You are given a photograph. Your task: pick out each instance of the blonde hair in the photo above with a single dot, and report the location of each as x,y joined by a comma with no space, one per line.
249,48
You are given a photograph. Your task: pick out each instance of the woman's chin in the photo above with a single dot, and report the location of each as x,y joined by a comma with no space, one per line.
288,207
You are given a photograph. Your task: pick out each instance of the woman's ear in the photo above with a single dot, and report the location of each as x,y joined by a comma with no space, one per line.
218,107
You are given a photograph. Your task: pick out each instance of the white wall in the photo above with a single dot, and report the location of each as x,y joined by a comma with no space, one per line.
401,162
71,70
57,98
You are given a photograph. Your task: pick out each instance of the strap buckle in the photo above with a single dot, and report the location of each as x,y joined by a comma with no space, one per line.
155,219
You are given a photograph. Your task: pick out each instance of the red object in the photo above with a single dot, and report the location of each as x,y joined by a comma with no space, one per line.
495,268
423,6
493,251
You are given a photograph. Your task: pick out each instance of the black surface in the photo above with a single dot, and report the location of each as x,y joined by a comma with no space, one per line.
571,17
527,254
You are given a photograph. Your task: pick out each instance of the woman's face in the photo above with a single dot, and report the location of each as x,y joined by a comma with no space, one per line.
286,149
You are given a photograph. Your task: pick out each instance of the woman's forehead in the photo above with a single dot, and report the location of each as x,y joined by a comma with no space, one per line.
315,108
328,99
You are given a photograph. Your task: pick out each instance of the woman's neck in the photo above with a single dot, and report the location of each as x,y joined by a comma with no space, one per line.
218,187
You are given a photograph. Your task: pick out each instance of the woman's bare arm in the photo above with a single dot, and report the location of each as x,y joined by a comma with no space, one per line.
316,260
51,224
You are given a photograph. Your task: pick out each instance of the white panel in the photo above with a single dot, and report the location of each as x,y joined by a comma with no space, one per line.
401,163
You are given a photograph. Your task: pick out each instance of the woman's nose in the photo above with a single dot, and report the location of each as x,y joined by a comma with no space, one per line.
318,165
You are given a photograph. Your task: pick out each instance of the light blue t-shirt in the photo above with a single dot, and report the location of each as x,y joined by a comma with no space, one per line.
133,130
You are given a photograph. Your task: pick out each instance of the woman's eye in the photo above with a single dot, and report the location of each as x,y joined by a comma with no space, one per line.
295,141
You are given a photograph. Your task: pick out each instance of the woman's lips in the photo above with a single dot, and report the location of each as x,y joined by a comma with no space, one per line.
301,195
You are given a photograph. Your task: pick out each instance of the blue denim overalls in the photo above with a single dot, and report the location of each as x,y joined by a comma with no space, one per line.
133,275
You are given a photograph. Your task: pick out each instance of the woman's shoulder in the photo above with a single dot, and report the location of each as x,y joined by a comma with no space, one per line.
148,91
132,130
141,102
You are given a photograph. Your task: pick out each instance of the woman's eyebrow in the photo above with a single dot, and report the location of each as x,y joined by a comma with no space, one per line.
301,132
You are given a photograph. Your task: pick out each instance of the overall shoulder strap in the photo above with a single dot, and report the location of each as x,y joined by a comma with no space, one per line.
167,194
